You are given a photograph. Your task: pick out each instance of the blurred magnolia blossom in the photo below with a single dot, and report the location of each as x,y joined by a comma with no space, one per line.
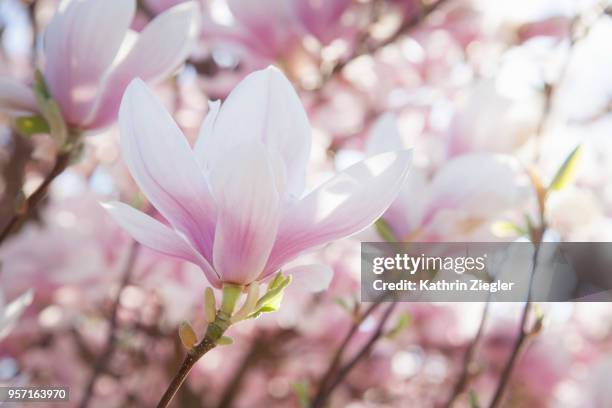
253,34
241,36
90,55
235,201
44,255
455,201
9,313
485,111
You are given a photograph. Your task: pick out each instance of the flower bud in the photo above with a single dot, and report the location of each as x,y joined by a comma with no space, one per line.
187,335
210,305
225,341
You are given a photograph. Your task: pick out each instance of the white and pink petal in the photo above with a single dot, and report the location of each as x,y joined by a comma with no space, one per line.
345,205
157,236
164,166
155,53
244,188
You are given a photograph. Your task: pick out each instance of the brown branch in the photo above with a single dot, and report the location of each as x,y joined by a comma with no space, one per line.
506,374
264,346
111,339
337,358
213,333
22,214
324,393
403,29
464,377
550,89
192,357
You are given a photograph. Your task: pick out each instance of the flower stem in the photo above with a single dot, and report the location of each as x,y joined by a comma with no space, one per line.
213,333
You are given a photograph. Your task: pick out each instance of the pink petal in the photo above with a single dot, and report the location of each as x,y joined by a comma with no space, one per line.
16,98
265,106
206,132
164,167
244,188
155,235
311,278
344,205
80,44
160,48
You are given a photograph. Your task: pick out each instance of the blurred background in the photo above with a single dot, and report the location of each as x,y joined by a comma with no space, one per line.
493,96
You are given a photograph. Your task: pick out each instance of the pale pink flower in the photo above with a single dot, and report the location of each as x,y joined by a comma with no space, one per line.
90,56
466,193
235,202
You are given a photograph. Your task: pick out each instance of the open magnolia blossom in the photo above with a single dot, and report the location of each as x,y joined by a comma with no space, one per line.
9,313
91,55
235,203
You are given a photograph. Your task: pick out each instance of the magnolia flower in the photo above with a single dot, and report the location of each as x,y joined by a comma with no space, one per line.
11,312
90,56
235,203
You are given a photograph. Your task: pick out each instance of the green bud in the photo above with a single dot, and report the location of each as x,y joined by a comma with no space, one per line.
567,170
274,293
210,305
278,280
400,325
270,302
31,125
224,341
504,229
187,335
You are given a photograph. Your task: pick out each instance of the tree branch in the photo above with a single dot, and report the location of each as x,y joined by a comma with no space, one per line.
22,214
111,339
324,393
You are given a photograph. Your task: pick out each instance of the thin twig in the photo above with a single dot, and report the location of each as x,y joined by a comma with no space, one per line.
111,339
520,340
213,333
551,89
36,197
192,357
324,393
404,28
468,357
335,362
264,346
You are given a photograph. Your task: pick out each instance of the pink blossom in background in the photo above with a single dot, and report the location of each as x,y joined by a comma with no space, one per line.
104,56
